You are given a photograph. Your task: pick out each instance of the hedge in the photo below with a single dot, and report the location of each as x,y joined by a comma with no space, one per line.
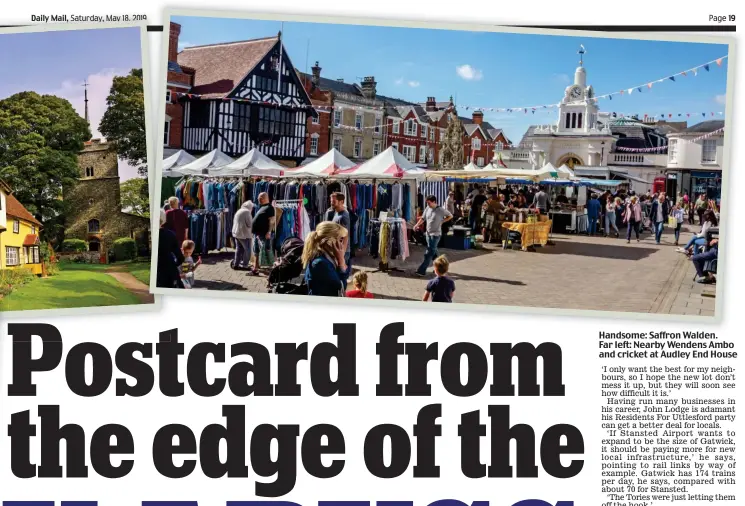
74,246
125,249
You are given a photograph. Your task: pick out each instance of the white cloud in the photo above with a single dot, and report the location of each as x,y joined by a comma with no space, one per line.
99,85
561,78
469,73
414,84
721,99
184,44
399,81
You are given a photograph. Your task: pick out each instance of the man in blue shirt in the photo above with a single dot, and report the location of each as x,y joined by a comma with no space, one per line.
341,216
593,213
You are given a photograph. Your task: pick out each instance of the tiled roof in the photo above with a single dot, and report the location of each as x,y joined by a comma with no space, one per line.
221,67
705,126
333,85
31,240
16,210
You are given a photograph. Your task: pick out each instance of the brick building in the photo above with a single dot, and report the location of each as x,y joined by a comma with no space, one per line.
318,141
179,79
96,214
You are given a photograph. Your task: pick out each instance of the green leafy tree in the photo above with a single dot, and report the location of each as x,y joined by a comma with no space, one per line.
40,137
123,123
136,197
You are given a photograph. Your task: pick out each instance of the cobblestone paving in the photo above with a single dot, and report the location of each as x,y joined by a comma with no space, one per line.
577,272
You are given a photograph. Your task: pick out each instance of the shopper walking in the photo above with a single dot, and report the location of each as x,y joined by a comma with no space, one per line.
659,212
432,220
679,215
593,214
610,215
261,228
633,218
341,217
242,224
702,204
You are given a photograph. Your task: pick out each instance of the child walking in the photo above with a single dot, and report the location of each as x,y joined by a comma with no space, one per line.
189,266
679,215
442,288
359,281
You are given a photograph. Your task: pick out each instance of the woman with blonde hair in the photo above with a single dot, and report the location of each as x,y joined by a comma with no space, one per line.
323,259
633,217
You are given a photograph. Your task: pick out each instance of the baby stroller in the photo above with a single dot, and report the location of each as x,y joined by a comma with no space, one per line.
288,266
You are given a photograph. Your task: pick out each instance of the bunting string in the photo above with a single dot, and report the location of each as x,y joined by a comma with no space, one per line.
533,109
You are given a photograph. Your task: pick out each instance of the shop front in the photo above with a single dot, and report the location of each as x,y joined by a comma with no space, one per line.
696,182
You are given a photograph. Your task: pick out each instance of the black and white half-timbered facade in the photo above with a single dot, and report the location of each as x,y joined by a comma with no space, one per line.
246,95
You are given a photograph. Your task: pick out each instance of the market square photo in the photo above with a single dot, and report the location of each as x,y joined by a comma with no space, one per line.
74,192
575,171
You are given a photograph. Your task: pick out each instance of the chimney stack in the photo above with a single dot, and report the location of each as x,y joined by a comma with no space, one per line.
478,117
173,37
431,104
316,79
369,87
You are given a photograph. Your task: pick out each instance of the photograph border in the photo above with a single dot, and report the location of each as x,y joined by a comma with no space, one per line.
147,82
728,40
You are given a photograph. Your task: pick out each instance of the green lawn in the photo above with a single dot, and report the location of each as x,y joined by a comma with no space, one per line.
76,285
140,270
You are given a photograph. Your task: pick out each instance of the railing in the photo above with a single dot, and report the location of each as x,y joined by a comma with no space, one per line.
627,158
517,155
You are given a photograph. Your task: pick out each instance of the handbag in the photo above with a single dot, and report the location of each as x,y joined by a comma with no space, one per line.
672,222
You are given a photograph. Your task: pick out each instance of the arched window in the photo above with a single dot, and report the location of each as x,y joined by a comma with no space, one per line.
94,226
566,123
579,121
574,120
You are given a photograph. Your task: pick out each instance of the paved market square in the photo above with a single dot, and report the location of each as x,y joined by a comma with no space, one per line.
577,272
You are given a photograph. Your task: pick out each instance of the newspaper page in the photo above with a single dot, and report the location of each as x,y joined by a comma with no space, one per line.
393,253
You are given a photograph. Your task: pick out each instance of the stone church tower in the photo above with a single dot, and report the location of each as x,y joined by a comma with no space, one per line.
95,213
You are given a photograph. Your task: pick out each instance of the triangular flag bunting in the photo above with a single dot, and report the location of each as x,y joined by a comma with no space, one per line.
695,72
672,78
703,114
683,73
631,90
706,67
719,62
669,115
610,97
649,85
688,114
639,89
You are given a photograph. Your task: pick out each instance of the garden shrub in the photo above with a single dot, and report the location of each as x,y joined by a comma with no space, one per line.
125,249
74,246
13,278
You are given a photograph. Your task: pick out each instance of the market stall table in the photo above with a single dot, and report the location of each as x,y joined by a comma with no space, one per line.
531,234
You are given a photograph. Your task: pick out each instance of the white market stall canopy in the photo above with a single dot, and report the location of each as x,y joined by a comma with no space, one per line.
390,164
178,159
253,163
201,165
330,164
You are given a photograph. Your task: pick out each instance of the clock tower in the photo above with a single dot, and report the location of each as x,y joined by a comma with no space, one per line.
578,109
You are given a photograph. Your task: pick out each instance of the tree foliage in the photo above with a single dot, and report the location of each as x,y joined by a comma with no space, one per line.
136,196
123,123
40,137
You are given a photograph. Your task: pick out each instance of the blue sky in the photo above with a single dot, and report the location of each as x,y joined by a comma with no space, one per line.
504,70
58,63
